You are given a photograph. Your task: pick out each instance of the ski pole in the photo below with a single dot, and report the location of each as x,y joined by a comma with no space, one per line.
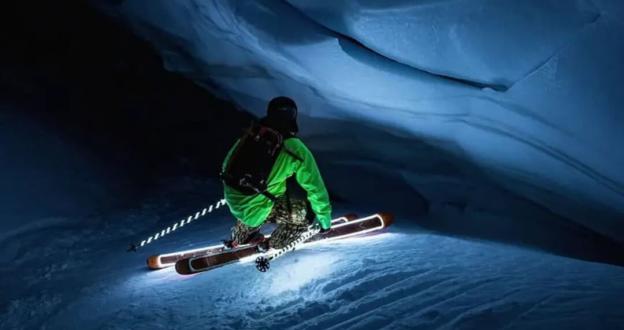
175,226
263,261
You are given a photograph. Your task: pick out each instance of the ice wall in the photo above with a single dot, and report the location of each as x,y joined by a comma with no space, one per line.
437,104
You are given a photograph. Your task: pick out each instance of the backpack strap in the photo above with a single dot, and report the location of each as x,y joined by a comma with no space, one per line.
267,194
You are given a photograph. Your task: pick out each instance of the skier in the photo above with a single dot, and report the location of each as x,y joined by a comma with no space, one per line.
255,174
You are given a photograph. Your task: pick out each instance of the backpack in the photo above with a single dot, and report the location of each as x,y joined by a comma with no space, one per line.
251,162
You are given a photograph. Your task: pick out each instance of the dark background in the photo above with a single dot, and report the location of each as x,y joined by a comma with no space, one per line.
87,82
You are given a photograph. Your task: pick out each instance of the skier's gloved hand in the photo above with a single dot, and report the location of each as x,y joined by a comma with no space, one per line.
320,227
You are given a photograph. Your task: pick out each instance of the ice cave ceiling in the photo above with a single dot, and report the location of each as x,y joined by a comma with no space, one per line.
437,103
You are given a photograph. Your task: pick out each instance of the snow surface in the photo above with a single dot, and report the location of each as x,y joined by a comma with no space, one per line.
80,278
524,96
46,177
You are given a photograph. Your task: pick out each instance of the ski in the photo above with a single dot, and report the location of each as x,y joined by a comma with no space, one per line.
169,259
356,227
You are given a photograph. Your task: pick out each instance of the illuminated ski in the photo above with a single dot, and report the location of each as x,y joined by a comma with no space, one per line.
366,225
169,259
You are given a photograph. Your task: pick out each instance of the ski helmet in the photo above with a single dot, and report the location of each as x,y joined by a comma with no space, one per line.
282,114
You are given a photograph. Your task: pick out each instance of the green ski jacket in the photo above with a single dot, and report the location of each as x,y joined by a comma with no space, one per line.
253,210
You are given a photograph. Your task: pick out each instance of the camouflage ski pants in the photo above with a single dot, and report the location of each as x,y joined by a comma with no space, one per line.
291,222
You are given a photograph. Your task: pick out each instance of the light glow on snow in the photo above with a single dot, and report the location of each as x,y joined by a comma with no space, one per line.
295,274
298,271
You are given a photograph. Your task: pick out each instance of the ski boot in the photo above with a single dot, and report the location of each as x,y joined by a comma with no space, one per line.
254,239
263,246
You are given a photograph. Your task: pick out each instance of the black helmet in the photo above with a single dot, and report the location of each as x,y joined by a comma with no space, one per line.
282,115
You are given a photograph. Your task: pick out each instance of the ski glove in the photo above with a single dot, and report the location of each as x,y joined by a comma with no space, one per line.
320,227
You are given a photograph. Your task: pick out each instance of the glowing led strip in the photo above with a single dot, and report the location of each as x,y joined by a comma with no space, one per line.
190,251
181,223
382,226
159,263
311,232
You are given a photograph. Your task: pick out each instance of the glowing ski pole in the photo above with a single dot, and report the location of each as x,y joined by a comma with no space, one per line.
263,262
177,225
